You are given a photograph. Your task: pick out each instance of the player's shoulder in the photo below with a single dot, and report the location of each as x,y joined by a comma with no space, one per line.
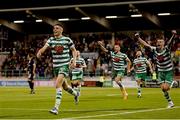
167,47
144,59
123,54
66,38
135,59
81,58
50,38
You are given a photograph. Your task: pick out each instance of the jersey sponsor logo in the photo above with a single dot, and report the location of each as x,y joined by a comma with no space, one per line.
59,49
160,58
116,59
78,65
139,65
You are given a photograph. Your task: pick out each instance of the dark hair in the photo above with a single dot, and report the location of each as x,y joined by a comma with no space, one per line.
59,25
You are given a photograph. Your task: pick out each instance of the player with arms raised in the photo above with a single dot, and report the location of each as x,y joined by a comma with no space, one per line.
164,63
119,64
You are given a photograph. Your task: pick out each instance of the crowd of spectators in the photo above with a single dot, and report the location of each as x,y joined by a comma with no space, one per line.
16,62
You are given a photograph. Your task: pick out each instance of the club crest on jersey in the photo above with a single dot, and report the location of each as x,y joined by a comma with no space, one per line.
59,49
139,65
78,65
116,59
160,58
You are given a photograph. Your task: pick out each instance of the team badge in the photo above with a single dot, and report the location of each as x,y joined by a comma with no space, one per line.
59,49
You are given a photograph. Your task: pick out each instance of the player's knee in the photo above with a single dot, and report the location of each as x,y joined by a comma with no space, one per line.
138,81
75,83
65,88
117,79
165,87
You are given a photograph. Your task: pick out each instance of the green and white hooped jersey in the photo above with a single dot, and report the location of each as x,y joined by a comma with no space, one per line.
163,59
118,60
60,48
140,65
79,62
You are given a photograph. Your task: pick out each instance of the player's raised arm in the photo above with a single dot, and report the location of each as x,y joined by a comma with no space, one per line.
142,41
172,37
102,47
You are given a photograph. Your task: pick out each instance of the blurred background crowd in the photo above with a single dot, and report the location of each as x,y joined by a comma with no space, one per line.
98,63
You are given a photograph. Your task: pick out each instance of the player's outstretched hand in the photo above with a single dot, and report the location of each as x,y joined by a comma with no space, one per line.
136,34
174,32
128,71
72,64
100,42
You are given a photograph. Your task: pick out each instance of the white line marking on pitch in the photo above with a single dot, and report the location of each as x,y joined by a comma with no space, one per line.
123,113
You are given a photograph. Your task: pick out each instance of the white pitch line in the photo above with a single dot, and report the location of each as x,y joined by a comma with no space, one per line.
123,113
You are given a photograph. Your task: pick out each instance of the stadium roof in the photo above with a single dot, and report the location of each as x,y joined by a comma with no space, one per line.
90,15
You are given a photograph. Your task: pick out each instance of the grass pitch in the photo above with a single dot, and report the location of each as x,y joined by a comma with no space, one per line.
95,103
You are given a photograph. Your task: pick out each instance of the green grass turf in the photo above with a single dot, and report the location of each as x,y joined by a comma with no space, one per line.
95,103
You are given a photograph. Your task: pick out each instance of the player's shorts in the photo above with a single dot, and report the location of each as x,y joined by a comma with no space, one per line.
119,73
140,76
165,76
30,77
77,75
61,70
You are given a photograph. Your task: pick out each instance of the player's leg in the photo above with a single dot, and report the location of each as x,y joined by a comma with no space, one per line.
60,73
76,83
118,80
76,86
68,89
138,88
140,78
138,81
32,87
166,80
65,71
31,84
58,83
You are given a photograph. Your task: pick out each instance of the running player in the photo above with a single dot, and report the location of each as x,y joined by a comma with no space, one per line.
60,48
77,73
31,71
119,64
164,63
140,68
